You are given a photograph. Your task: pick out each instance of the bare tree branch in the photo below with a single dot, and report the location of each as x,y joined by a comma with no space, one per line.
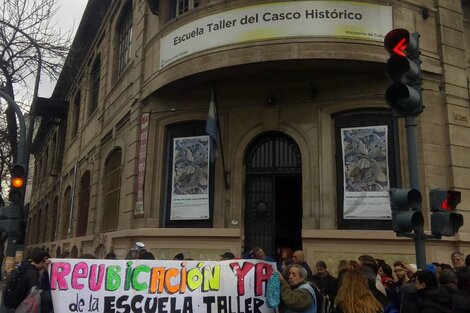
19,61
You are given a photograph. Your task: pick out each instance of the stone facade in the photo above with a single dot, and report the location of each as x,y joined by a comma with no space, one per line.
294,86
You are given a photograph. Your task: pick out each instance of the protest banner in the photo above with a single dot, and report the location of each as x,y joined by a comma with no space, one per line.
143,286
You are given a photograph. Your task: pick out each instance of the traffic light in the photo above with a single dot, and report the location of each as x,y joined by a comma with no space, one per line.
404,203
16,194
444,222
404,69
10,219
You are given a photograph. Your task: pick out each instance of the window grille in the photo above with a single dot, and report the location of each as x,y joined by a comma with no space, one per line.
124,33
112,191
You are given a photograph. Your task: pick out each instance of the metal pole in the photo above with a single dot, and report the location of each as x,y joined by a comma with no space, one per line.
12,237
419,238
23,155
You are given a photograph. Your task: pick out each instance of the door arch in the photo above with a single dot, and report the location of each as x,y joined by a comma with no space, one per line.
273,193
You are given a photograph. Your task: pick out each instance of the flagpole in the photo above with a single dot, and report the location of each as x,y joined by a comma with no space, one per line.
220,138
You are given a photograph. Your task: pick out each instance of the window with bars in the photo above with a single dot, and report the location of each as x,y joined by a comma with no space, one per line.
83,204
66,212
179,7
365,118
55,205
112,191
124,38
94,85
75,114
43,234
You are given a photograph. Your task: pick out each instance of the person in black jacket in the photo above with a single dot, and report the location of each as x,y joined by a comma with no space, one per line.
324,281
31,277
431,298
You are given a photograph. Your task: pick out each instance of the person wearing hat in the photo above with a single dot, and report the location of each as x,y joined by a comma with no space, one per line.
227,256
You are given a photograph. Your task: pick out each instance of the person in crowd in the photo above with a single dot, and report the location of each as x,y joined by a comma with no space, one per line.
110,256
297,295
298,257
179,257
395,293
385,272
30,276
65,255
354,265
438,268
432,268
227,256
135,251
386,276
369,270
354,295
457,259
259,254
343,266
463,281
445,266
408,294
367,260
431,298
87,256
146,256
285,258
324,281
462,271
448,281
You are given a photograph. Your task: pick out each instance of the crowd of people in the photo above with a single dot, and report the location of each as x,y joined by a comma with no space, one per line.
370,285
365,285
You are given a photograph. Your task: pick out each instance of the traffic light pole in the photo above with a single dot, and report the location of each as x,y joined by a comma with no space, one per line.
12,236
419,236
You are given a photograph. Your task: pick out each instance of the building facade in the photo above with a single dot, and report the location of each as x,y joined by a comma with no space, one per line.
307,147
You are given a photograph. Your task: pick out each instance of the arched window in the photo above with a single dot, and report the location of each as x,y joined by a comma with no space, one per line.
124,38
55,206
66,212
112,190
83,204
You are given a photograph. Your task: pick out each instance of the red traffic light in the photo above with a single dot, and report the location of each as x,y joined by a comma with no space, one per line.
400,47
444,200
399,42
451,201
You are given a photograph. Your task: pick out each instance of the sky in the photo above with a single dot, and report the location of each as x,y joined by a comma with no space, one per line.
67,18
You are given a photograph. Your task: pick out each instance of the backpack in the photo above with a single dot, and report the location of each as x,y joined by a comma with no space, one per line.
11,289
32,302
324,303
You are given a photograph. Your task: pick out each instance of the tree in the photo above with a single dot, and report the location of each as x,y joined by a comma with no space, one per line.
26,27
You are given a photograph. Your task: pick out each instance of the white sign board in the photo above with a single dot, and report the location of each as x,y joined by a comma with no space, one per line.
112,286
343,19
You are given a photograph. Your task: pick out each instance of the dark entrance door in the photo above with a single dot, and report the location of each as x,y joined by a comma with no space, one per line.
273,193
